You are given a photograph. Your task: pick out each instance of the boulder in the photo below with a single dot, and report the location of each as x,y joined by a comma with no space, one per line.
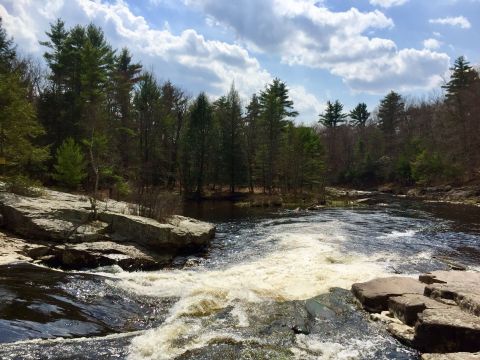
404,333
408,306
59,218
447,330
374,294
94,254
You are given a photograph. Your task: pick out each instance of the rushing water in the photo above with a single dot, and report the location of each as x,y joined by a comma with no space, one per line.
265,273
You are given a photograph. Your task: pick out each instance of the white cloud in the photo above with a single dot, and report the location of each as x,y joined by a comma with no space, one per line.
431,44
459,21
388,3
188,59
306,33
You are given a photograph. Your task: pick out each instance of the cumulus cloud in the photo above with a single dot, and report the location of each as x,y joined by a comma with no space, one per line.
431,44
307,33
187,58
388,3
458,21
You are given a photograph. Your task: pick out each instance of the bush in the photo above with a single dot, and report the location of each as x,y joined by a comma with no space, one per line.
23,185
70,166
429,167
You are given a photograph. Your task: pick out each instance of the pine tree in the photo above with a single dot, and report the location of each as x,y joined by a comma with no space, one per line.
70,164
252,137
390,113
360,115
461,79
7,50
275,109
19,128
196,143
333,115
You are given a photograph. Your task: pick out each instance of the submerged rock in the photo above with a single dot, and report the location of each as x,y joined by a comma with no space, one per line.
63,222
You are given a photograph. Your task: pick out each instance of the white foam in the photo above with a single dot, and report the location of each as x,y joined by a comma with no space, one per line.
301,266
399,234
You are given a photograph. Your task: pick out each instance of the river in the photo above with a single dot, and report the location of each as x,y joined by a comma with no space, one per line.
267,272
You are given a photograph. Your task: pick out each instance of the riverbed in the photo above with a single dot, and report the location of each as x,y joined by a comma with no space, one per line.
273,285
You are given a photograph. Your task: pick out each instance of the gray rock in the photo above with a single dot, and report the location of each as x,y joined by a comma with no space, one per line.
447,330
461,287
59,218
408,306
374,294
95,254
402,332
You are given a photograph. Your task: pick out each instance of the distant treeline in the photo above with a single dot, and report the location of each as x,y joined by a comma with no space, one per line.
95,119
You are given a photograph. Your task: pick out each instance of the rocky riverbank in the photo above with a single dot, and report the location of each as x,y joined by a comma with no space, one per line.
59,229
438,313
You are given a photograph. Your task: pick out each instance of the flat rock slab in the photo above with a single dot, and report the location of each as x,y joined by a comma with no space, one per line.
447,330
466,278
452,356
58,218
374,294
462,287
408,306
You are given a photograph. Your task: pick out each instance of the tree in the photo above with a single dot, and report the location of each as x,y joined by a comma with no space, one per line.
360,115
19,128
252,137
196,143
125,75
463,75
7,50
462,96
333,115
229,113
390,113
275,110
70,166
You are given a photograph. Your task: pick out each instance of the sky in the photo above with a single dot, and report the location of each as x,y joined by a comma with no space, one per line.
352,50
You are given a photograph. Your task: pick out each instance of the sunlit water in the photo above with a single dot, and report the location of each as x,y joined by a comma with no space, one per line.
241,298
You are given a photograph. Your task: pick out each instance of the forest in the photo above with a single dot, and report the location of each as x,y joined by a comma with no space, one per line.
92,119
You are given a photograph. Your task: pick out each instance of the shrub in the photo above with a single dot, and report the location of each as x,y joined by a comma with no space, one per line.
70,166
23,185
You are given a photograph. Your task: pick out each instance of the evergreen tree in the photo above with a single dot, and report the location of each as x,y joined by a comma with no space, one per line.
333,115
463,75
390,113
252,137
196,144
70,166
7,50
230,121
275,109
360,115
19,128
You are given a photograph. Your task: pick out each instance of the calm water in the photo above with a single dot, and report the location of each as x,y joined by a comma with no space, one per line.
265,273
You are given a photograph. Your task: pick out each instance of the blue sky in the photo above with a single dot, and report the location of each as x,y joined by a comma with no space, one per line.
352,50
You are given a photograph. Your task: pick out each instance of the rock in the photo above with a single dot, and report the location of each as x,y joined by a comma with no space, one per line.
461,287
374,294
95,254
59,218
447,330
452,356
408,306
402,332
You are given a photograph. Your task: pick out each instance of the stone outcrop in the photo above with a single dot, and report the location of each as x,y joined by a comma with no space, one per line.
438,314
374,295
63,222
